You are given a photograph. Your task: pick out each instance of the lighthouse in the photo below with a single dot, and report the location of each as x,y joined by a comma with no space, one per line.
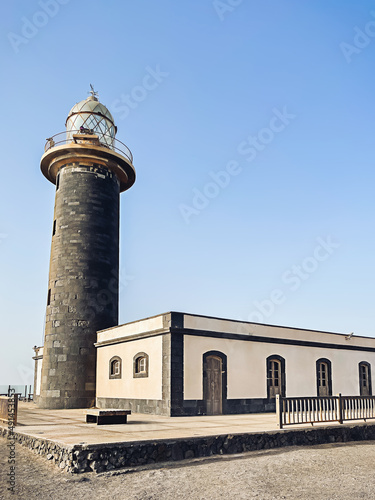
89,168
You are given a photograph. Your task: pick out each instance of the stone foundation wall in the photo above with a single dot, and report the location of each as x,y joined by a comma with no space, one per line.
107,457
63,456
148,406
191,407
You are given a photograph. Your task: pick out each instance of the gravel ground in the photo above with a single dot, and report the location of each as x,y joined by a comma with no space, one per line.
339,471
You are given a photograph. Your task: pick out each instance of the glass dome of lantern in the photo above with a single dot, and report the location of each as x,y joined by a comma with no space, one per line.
91,116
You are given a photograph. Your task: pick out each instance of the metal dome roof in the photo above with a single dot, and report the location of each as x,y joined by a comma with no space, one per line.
91,116
93,106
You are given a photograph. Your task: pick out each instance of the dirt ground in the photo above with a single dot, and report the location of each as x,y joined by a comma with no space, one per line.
339,471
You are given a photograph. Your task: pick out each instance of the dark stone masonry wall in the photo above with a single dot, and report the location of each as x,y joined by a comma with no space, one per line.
107,457
191,407
148,406
83,283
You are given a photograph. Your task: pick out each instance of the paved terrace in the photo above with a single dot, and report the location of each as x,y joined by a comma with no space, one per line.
68,427
64,437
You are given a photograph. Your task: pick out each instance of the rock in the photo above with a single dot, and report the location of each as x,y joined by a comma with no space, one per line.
177,452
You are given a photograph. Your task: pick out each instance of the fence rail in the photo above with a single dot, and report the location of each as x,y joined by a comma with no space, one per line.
294,411
105,140
24,392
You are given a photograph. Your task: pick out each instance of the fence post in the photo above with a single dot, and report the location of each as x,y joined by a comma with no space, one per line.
279,411
340,409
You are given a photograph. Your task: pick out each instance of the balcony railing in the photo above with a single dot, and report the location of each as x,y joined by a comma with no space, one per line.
103,140
297,411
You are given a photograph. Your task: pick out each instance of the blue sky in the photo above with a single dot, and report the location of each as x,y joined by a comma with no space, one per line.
252,129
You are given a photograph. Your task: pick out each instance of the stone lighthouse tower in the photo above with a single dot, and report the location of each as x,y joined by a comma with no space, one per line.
90,169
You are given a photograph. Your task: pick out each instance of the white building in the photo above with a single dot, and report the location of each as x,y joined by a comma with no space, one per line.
184,364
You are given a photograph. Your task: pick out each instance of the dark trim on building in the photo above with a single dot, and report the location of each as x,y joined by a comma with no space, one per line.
365,363
189,407
282,375
236,336
177,374
224,388
177,320
329,375
270,340
272,326
111,361
195,407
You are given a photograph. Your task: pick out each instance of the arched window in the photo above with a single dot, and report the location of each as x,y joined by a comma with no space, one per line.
323,377
140,365
365,388
115,367
275,376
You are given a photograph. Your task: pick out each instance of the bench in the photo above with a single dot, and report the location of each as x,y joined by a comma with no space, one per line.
101,417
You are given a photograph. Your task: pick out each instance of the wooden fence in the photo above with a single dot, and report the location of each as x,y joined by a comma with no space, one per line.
8,409
294,411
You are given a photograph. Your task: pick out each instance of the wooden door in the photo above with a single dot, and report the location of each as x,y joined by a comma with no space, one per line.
364,380
323,386
213,385
274,377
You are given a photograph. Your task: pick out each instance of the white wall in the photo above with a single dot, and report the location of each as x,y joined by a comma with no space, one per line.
147,325
128,387
38,376
246,365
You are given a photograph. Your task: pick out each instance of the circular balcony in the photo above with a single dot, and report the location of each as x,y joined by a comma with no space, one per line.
73,136
82,145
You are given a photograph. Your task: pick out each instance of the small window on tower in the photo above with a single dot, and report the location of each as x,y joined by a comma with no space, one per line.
49,297
54,228
57,182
